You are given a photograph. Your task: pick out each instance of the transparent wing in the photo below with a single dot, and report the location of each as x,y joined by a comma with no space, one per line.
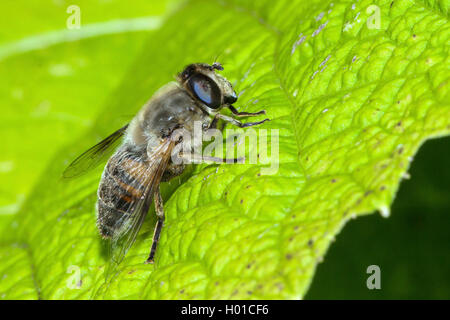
128,226
95,155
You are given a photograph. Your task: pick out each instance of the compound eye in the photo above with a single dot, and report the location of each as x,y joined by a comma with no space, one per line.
206,90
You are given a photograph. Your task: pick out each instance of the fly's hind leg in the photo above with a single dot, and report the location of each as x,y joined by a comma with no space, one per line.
159,208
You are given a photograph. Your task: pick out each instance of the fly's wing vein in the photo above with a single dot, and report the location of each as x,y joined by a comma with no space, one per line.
95,155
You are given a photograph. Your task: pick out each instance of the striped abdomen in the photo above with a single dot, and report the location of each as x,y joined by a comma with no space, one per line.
123,183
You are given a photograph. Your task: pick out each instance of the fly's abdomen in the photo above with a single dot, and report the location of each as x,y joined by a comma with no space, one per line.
122,184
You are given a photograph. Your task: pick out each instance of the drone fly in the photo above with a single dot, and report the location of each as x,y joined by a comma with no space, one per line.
131,177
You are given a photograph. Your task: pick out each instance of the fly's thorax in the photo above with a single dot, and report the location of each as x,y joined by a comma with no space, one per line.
171,108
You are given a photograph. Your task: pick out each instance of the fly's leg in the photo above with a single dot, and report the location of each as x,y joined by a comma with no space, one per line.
237,122
245,114
159,208
231,120
213,123
198,158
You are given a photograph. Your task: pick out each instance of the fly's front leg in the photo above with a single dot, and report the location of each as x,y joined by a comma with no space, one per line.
213,123
245,114
198,158
159,208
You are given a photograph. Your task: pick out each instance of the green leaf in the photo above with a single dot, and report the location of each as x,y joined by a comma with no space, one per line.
352,106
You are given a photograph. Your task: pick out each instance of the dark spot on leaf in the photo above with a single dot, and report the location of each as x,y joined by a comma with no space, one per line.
400,150
310,242
382,188
296,228
242,201
391,4
248,186
333,181
235,292
182,291
293,216
414,35
289,256
131,271
367,193
217,283
249,292
259,174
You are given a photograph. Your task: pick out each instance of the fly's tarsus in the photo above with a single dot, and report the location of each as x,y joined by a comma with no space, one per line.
245,114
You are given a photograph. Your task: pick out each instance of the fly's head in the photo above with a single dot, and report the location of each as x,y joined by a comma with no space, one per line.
211,90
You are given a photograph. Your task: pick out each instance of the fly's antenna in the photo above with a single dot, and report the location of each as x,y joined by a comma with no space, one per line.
217,66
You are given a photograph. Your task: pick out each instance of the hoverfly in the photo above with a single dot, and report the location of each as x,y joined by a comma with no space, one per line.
132,175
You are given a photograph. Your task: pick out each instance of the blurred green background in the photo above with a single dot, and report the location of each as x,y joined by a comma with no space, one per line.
411,247
51,89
